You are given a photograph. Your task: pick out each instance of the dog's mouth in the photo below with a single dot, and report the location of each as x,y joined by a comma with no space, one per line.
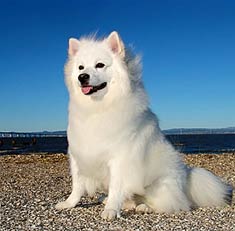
90,89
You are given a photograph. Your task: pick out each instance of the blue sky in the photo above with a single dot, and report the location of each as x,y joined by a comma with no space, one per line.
188,50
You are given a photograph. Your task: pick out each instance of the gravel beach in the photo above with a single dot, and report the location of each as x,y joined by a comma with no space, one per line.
31,185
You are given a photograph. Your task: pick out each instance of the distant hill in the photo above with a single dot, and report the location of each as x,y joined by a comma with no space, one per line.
229,130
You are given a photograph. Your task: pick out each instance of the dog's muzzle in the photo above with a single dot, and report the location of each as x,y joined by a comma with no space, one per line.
88,89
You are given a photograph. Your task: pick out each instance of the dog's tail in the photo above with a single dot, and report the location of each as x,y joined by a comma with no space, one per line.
206,189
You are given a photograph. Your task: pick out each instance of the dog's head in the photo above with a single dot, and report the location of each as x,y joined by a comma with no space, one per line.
100,69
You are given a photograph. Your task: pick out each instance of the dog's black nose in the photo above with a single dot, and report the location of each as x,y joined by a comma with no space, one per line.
83,78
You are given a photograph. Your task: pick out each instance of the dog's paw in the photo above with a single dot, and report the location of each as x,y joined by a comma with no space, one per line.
143,208
64,205
109,214
129,205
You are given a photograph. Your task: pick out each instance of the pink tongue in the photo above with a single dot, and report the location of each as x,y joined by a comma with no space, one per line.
86,90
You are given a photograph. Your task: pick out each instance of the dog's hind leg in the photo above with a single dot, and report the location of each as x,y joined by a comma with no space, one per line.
167,195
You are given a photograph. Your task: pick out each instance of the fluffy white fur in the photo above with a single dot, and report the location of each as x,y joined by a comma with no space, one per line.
115,143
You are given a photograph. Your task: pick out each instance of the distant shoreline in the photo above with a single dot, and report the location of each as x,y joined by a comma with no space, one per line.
172,131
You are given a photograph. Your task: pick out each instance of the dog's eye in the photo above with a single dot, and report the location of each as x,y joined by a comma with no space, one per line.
99,65
81,67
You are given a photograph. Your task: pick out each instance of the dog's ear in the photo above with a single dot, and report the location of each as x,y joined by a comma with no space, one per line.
116,44
73,46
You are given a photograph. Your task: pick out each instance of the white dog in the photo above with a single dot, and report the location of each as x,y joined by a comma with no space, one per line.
115,143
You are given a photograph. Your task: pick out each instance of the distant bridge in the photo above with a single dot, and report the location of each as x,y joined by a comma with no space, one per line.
31,134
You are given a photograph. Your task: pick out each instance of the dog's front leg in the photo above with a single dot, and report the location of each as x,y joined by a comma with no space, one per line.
116,193
78,187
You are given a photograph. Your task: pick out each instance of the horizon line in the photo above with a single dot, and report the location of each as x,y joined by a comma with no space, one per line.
174,128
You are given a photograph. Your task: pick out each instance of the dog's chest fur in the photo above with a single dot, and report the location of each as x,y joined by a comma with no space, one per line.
95,140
